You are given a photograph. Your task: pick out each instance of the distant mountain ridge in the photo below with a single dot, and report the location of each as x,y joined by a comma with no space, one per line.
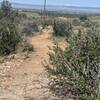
55,6
72,9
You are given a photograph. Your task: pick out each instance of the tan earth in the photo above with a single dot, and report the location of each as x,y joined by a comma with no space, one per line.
28,80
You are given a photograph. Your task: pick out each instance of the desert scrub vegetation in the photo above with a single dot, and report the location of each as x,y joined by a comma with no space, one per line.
83,18
88,23
9,35
75,72
47,22
62,28
8,38
76,22
30,28
24,46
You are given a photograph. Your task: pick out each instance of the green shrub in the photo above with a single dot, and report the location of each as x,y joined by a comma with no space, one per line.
24,46
30,28
89,23
76,22
47,22
62,28
83,18
23,15
76,70
6,8
9,37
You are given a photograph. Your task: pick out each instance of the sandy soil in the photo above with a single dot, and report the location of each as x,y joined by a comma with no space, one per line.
28,81
41,44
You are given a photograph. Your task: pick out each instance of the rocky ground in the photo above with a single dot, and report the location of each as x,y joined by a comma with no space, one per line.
22,76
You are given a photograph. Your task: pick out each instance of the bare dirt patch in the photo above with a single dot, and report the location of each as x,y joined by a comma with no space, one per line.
27,79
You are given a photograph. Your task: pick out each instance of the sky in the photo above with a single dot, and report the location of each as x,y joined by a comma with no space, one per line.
81,3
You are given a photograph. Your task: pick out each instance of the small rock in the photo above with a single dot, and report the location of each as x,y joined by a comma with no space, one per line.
8,67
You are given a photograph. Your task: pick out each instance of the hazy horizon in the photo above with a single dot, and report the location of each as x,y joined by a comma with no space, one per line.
55,7
77,3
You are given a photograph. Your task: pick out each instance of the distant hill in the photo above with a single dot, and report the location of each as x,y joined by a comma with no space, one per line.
63,9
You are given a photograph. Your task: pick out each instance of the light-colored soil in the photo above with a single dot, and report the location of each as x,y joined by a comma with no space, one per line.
28,80
40,43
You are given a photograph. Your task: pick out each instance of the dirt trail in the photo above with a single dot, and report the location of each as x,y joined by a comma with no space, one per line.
40,44
29,81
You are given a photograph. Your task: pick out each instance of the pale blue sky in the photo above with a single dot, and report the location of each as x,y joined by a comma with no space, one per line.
86,3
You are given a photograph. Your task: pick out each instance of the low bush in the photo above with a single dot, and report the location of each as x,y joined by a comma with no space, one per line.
9,38
24,46
23,15
83,18
6,8
89,23
76,22
47,22
75,71
62,28
30,28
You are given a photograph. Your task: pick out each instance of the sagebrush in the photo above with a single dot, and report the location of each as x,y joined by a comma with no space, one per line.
75,71
62,28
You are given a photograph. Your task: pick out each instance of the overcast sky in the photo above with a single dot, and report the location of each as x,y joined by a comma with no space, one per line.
86,3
